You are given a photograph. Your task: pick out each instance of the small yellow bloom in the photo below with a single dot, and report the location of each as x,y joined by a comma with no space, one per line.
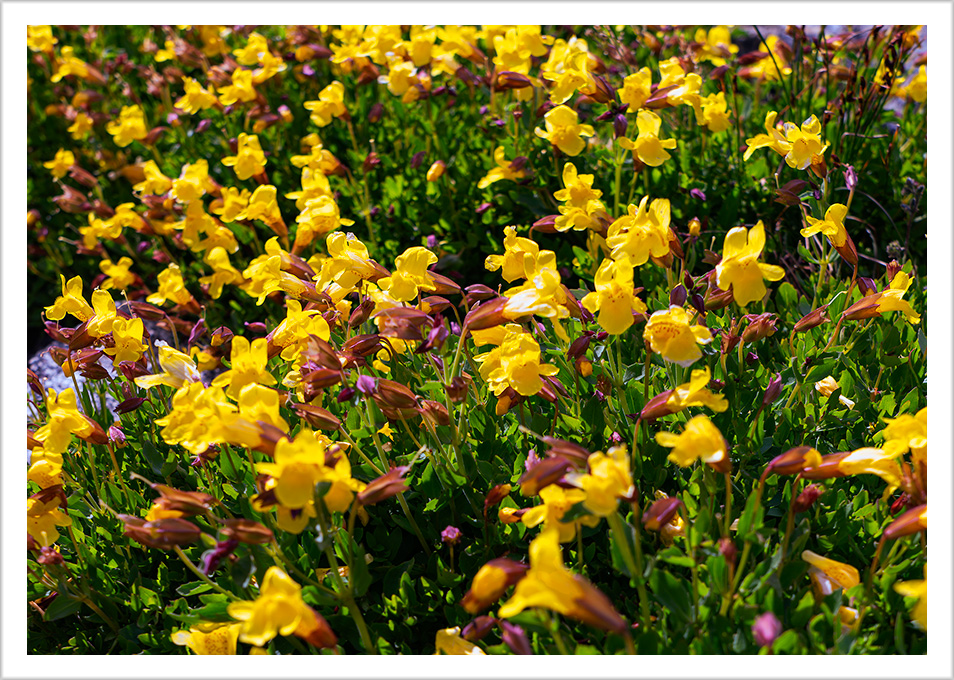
826,386
556,502
242,88
907,432
833,226
436,171
81,126
700,439
715,46
130,126
155,183
647,146
196,97
580,202
669,334
609,478
40,38
171,287
278,610
117,273
740,268
806,145
502,171
564,131
178,370
42,520
636,89
890,300
873,461
328,106
515,363
127,336
209,638
614,298
410,275
916,589
387,431
70,302
694,393
642,232
249,159
449,641
522,257
249,365
61,163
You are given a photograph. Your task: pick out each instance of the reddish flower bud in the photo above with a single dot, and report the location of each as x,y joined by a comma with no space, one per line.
515,638
386,486
376,112
657,407
314,629
491,581
486,315
660,513
910,522
478,629
317,417
510,80
163,534
451,535
765,629
576,454
773,390
892,269
760,326
814,318
435,412
246,531
457,390
828,468
543,474
806,499
792,461
728,550
495,495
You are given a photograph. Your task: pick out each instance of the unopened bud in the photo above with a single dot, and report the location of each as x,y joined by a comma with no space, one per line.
892,270
436,171
760,326
660,513
695,226
773,391
678,296
814,318
619,125
806,498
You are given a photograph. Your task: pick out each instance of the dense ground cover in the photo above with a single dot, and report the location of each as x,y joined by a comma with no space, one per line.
510,339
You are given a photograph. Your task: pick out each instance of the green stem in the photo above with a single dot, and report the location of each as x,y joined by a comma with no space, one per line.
202,577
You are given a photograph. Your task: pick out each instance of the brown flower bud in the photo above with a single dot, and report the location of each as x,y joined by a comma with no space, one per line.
478,628
486,315
891,270
186,502
814,318
435,412
543,474
96,435
865,308
660,513
728,550
444,285
510,80
806,499
576,454
545,225
828,469
760,326
912,521
457,390
163,534
495,495
317,416
792,461
848,251
246,531
394,395
314,629
386,486
491,581
657,407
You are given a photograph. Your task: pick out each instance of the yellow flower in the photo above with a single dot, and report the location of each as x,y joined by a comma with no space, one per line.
209,638
765,68
907,432
249,365
574,74
40,38
917,88
833,226
241,90
193,183
117,273
669,334
171,287
234,202
712,111
61,163
740,268
103,320
694,393
515,363
130,126
196,97
522,257
249,159
81,126
873,461
436,171
68,65
916,589
70,302
46,468
647,146
504,170
42,520
608,479
293,332
155,182
178,369
278,610
544,295
829,575
715,46
641,233
196,417
263,206
890,299
63,420
320,216
410,275
549,585
614,298
581,201
700,439
806,145
564,131
386,431
774,139
449,641
556,502
127,336
636,89
329,105
826,386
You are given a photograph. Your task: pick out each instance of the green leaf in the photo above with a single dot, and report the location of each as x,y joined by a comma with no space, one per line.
61,607
361,577
672,593
193,588
718,573
628,541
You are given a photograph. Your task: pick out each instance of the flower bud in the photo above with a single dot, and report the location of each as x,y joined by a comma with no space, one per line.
457,390
376,112
317,417
766,629
912,521
793,461
394,394
660,513
436,171
163,534
510,80
416,160
806,499
867,286
695,226
386,486
827,468
678,296
773,391
211,559
116,436
728,550
451,535
542,475
246,531
486,315
619,125
814,318
478,628
490,582
892,270
760,326
515,638
495,495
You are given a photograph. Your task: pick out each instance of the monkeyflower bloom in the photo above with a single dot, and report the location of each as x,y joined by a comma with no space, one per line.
614,298
556,502
279,610
209,638
328,106
193,182
293,332
917,88
242,88
642,232
888,300
916,589
196,417
81,126
833,226
46,468
505,170
827,576
196,97
580,201
178,369
249,159
564,131
647,146
548,584
171,287
449,641
700,439
117,273
222,272
130,127
669,334
694,393
773,139
515,363
713,112
715,46
70,302
740,268
608,479
319,216
767,68
155,183
127,336
62,421
544,295
636,89
827,386
263,206
68,65
806,144
248,365
522,257
42,520
40,38
907,432
410,275
61,163
873,461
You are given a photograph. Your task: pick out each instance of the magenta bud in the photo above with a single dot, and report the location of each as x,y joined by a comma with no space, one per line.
698,303
773,390
478,628
203,125
366,384
867,286
698,194
416,160
483,207
619,125
515,637
212,558
806,499
376,112
851,177
116,435
766,629
198,330
451,535
345,395
256,327
751,358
